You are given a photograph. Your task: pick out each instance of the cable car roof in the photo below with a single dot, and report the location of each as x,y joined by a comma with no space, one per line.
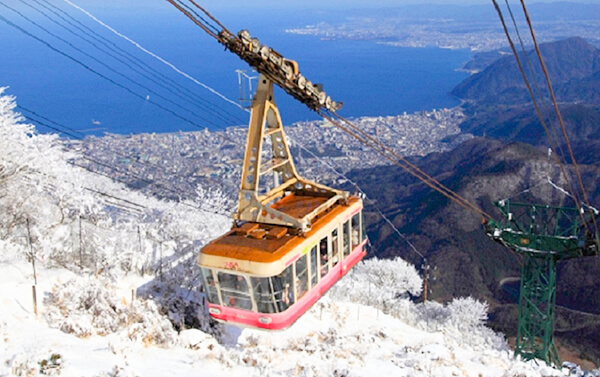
262,243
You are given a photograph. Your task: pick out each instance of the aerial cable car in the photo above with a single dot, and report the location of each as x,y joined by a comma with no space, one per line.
292,238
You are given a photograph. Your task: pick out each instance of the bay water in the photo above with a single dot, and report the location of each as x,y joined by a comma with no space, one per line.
371,79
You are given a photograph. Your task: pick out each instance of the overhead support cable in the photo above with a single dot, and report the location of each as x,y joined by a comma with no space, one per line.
542,119
202,25
167,63
210,16
111,69
149,77
381,214
202,19
145,67
402,162
79,135
85,66
538,92
360,135
177,193
558,113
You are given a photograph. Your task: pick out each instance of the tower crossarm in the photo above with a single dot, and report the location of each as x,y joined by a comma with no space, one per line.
531,228
543,235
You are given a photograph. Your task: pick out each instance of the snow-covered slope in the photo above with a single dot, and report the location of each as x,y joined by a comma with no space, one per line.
117,291
335,338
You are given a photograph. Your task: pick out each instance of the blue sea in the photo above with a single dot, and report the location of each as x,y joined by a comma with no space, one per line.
371,79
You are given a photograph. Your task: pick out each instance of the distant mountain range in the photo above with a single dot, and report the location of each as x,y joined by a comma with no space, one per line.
499,105
573,65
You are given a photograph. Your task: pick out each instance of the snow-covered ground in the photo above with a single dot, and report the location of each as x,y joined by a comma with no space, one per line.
335,338
117,291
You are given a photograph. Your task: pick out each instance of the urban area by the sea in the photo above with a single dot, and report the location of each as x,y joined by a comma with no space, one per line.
213,159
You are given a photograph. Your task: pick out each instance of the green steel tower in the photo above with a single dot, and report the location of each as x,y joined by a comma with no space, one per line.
543,235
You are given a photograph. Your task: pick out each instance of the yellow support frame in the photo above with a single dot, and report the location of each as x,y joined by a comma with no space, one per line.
265,121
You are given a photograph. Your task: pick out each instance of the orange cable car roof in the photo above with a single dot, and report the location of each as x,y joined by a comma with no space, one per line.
265,243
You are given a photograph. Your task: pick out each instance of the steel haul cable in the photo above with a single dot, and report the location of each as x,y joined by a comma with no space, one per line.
409,167
550,135
365,139
558,113
125,77
122,86
138,62
111,167
122,59
540,116
150,53
535,102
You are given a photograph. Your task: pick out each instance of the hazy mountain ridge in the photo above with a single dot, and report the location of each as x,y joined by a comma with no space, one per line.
573,65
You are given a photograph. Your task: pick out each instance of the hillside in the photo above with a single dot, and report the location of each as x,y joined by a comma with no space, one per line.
520,123
452,239
335,338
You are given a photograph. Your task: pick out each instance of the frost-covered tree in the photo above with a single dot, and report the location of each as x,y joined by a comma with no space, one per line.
388,285
90,224
379,282
37,185
79,218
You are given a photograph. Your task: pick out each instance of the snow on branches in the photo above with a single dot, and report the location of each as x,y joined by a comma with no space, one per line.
388,286
379,282
39,191
87,306
70,217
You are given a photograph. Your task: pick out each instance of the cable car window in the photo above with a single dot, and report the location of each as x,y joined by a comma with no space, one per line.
234,291
346,238
355,230
335,258
283,288
313,266
210,286
263,295
324,256
301,276
363,228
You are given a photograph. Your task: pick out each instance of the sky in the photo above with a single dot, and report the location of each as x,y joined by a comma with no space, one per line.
119,6
314,3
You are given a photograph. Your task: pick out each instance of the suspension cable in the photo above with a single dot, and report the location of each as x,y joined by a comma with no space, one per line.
365,138
127,173
538,92
194,20
138,67
558,113
396,159
126,77
155,56
383,216
210,16
85,66
199,16
539,112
